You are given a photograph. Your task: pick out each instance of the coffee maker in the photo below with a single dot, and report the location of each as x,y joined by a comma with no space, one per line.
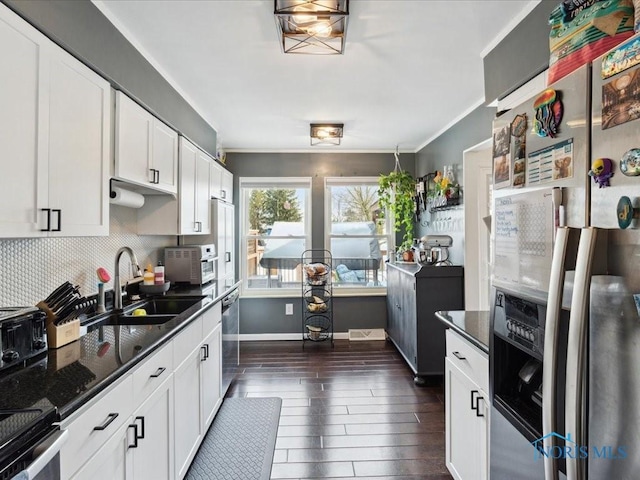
434,250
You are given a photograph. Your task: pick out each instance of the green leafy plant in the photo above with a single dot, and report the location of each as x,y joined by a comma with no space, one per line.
396,195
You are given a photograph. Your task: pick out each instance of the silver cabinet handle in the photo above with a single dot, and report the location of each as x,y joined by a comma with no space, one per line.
48,229
59,212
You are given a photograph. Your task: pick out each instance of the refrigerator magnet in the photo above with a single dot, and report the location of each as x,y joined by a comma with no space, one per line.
626,212
548,116
630,163
601,171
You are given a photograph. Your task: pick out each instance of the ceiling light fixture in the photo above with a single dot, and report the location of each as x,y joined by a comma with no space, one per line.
326,133
315,27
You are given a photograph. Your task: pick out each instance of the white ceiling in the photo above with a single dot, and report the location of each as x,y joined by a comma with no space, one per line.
410,68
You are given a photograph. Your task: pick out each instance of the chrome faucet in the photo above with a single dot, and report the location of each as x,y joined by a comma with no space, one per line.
135,269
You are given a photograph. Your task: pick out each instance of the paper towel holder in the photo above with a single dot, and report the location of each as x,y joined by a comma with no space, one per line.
130,202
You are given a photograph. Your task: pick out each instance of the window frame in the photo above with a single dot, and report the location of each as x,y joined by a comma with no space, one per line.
246,183
390,235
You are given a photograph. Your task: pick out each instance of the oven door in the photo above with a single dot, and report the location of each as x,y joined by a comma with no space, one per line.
42,461
207,270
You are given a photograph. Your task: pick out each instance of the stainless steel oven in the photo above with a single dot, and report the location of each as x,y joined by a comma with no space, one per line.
30,444
193,264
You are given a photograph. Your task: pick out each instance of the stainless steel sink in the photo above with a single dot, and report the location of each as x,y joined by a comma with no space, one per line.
164,305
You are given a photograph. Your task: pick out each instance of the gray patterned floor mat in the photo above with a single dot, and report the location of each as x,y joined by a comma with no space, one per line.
240,443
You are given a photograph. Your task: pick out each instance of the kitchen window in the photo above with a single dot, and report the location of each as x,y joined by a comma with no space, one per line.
357,232
275,228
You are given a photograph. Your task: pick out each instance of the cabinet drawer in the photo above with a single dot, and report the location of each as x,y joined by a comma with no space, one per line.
211,318
472,362
152,373
89,431
187,341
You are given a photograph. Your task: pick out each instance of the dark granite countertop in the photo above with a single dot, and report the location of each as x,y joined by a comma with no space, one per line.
472,325
69,376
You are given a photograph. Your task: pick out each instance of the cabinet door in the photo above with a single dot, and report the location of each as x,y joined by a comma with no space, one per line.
393,295
227,186
134,128
211,375
23,114
216,180
408,335
112,461
188,409
202,195
165,156
188,162
153,455
465,430
79,148
229,257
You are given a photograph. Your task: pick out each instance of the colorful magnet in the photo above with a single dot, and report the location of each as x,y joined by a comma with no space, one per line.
630,163
626,212
601,171
549,111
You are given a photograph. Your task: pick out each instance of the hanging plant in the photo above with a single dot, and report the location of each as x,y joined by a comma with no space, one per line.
396,195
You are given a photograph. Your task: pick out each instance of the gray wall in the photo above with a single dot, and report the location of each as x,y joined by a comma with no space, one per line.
521,55
446,150
260,315
81,29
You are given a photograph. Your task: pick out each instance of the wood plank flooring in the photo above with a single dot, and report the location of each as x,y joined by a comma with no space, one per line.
348,411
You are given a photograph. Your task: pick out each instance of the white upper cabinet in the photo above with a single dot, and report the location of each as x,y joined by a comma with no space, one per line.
221,183
146,149
54,138
190,213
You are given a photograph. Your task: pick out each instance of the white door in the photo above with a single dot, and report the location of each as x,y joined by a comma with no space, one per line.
165,156
202,195
133,141
79,148
212,375
477,164
188,408
227,186
216,180
112,461
229,224
188,162
22,118
463,453
153,456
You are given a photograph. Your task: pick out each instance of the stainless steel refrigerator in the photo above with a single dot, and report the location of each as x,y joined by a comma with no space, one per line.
561,253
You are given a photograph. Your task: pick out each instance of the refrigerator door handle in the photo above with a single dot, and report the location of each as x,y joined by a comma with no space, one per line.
576,344
550,359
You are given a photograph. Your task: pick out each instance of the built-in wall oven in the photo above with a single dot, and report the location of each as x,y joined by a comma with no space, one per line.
516,363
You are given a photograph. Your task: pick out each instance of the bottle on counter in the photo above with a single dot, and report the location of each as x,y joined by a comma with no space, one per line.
158,274
148,278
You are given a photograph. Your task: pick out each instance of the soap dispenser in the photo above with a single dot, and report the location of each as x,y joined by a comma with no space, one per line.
149,277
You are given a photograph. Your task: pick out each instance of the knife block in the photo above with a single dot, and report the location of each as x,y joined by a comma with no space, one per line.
59,335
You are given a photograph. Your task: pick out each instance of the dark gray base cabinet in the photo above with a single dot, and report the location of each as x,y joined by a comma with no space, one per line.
414,293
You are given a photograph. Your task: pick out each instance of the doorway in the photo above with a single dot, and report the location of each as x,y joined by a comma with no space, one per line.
477,167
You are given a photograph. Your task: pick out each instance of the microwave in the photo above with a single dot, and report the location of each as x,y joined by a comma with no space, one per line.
193,264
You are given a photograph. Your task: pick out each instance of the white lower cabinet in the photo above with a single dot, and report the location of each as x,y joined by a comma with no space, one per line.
150,424
151,441
466,410
188,402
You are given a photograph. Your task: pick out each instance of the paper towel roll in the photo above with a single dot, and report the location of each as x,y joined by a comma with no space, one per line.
126,198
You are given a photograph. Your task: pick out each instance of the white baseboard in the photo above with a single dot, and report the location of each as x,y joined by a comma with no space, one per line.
251,337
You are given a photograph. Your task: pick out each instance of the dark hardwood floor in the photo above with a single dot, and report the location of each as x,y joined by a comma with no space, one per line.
348,411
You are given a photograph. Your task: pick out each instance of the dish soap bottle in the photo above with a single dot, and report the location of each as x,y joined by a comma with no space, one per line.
158,273
148,278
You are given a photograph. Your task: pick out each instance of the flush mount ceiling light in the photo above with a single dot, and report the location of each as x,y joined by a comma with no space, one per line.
316,27
326,133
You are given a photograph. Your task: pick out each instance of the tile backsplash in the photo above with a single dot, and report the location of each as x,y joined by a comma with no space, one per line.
31,268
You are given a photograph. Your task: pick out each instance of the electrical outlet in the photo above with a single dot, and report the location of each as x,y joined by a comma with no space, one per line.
288,309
